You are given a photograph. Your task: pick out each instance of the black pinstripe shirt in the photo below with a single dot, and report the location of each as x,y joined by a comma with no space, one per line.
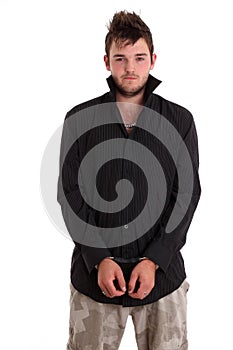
135,239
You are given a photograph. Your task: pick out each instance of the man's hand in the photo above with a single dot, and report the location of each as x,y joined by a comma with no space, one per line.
144,274
108,271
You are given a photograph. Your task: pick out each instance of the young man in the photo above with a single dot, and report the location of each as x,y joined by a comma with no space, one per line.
143,274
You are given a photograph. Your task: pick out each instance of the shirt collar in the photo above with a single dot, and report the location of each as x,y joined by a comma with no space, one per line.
151,85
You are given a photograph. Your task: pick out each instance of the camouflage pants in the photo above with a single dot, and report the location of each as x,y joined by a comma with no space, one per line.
158,326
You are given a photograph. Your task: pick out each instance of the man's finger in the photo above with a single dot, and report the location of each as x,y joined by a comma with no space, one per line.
141,293
132,282
111,290
121,280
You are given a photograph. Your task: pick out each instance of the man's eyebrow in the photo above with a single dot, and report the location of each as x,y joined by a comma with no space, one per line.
137,54
141,54
118,55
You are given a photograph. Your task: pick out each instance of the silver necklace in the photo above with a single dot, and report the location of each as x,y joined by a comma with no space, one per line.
130,125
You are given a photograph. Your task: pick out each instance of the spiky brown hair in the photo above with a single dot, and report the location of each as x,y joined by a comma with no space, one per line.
126,28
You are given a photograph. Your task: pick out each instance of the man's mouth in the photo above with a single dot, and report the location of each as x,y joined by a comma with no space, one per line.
130,77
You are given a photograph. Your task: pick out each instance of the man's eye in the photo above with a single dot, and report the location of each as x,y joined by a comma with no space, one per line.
120,59
140,58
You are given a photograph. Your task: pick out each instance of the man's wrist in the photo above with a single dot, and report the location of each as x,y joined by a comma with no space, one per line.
107,257
145,258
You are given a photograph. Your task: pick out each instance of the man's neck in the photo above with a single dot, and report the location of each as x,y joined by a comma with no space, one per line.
129,107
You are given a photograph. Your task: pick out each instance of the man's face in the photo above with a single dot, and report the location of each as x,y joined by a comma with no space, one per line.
130,66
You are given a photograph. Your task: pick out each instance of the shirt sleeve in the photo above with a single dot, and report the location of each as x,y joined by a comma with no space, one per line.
71,197
165,245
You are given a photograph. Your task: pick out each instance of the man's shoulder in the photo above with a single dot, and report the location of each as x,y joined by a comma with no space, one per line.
178,115
93,102
170,106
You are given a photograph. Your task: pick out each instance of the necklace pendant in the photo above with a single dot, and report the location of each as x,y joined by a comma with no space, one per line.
130,125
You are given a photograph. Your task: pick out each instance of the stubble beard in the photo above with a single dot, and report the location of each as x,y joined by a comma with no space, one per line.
127,92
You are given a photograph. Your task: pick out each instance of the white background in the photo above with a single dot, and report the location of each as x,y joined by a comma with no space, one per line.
52,59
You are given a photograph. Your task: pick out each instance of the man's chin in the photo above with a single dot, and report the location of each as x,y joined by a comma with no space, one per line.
130,92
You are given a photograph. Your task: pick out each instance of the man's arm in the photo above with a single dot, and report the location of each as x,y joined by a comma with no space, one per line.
161,250
72,198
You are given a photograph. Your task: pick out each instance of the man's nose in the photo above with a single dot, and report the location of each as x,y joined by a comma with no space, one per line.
130,67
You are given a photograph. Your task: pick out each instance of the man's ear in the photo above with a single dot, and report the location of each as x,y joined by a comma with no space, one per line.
106,61
153,59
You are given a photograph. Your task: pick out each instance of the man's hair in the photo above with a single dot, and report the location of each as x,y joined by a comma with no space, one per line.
126,28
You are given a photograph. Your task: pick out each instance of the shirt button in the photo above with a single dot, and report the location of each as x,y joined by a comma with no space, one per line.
125,226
